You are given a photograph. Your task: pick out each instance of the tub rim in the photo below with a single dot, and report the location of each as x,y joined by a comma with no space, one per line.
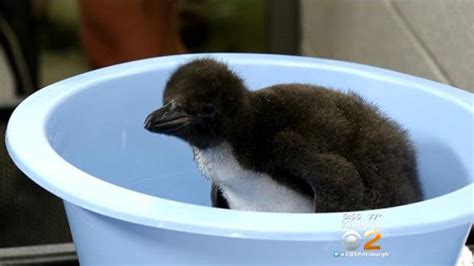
121,203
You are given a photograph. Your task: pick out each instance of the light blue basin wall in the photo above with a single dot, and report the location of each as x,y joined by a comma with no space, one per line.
102,239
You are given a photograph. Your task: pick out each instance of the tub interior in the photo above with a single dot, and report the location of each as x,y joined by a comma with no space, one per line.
100,129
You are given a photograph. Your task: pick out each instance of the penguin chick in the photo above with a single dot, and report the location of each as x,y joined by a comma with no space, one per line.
287,147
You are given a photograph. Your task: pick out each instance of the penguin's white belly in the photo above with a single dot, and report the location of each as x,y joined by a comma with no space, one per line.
248,190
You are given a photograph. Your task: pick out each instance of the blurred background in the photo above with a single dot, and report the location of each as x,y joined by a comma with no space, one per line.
43,41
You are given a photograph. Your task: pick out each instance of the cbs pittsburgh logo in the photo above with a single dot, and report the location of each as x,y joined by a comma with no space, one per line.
352,241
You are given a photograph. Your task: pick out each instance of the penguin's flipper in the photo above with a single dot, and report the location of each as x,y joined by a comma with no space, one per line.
218,200
336,183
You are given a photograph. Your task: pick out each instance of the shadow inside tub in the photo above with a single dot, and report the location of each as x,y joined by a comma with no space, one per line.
440,169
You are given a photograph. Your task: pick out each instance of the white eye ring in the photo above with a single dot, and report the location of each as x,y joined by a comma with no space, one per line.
173,104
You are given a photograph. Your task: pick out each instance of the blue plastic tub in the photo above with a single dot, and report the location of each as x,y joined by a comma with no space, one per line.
133,197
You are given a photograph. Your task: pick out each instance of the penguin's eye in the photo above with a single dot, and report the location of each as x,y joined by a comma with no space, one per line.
208,110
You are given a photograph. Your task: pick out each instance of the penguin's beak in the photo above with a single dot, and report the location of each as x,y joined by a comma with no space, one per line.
167,120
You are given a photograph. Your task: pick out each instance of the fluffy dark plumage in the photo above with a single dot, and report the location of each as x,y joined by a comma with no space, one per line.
312,139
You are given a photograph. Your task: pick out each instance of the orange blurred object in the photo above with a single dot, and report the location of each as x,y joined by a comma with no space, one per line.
115,31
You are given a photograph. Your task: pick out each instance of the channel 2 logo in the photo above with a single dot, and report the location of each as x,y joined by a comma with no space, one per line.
352,240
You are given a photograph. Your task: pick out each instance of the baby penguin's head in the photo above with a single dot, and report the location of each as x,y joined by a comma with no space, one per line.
200,103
